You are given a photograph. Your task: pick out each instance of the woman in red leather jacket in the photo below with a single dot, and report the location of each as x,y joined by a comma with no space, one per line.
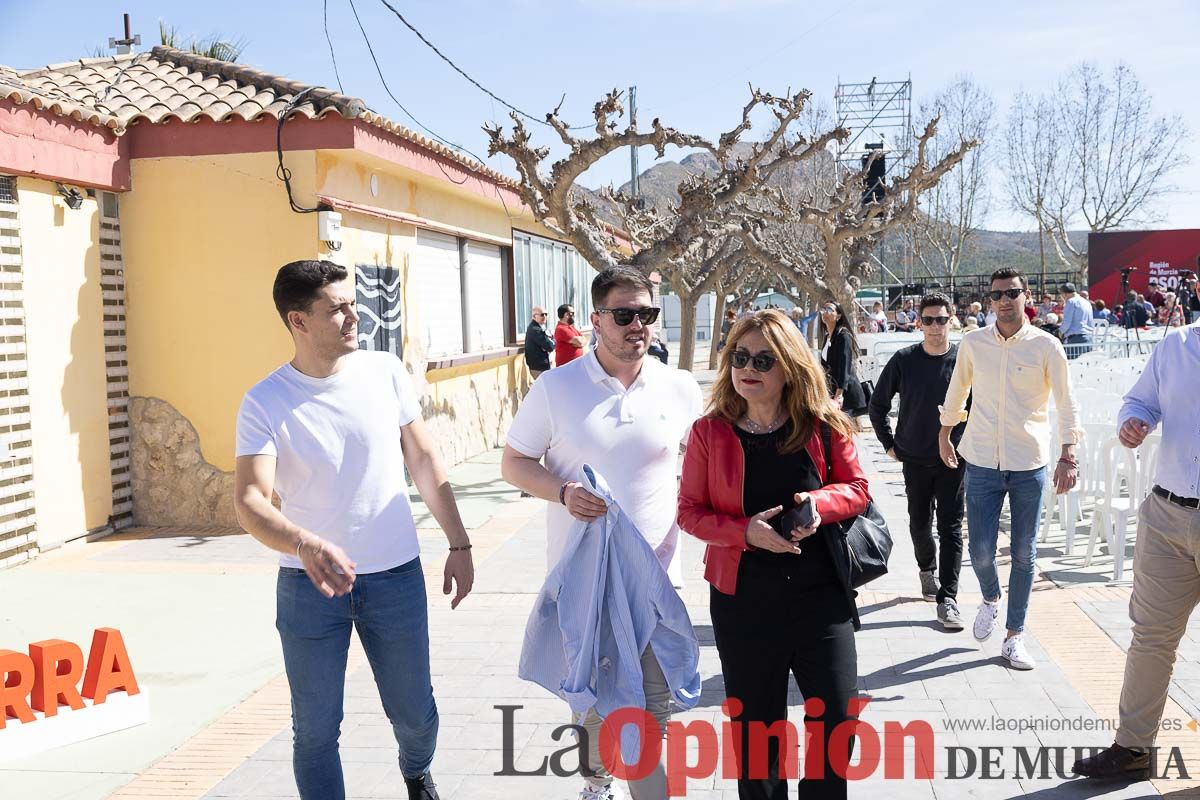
779,598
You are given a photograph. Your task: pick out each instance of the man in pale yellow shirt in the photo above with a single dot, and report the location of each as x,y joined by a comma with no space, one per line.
1010,369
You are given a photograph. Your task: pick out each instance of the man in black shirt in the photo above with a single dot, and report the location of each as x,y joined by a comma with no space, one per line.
538,344
920,374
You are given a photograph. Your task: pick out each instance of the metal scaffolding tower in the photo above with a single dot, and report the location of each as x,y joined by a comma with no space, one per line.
874,112
878,115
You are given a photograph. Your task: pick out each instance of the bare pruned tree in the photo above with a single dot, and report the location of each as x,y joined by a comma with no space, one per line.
951,209
743,280
691,243
816,238
820,238
1093,155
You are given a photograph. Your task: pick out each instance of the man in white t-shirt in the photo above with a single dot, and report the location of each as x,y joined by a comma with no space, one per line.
625,415
331,432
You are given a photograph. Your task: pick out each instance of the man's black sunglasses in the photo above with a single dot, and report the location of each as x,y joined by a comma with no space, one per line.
935,320
1012,294
763,362
624,316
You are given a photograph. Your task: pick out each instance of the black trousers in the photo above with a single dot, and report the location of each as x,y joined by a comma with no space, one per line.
936,489
773,629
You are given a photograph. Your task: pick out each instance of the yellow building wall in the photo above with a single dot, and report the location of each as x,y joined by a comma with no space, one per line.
203,239
468,408
67,382
346,175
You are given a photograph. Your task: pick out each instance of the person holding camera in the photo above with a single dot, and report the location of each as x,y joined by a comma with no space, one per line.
1134,313
759,488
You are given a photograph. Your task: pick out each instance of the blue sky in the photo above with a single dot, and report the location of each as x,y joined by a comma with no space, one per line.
692,60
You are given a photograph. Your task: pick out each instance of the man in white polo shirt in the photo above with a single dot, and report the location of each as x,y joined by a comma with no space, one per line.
625,415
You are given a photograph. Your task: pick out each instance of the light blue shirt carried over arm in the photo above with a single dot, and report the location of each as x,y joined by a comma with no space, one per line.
603,603
1077,317
1167,393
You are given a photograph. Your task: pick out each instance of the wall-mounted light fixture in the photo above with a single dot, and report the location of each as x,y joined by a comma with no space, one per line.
71,197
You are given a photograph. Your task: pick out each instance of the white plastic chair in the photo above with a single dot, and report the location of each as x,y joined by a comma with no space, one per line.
1113,512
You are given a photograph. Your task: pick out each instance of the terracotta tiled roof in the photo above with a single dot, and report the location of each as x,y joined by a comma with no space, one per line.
169,84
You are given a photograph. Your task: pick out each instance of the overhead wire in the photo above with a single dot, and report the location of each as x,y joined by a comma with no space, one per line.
396,100
471,80
329,41
431,132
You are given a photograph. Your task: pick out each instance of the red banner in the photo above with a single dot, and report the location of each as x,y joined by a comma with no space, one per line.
1166,256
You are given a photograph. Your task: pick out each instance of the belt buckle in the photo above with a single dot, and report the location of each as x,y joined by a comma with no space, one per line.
1182,502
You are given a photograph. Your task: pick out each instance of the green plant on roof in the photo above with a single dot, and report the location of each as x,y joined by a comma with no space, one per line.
212,47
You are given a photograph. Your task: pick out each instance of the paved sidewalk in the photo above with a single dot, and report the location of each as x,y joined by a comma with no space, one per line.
197,609
909,667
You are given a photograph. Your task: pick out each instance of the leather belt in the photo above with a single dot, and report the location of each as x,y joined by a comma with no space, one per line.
1184,502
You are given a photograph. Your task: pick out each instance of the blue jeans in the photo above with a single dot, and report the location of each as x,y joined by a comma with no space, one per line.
1077,344
389,611
986,489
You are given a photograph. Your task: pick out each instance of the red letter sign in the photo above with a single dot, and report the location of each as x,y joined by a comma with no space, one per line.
57,665
16,669
108,667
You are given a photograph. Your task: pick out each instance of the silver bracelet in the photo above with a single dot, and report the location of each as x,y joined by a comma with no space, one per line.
299,544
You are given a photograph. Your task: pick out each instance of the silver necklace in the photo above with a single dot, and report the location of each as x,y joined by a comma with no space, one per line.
754,427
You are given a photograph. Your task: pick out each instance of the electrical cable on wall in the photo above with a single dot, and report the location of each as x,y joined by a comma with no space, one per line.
283,173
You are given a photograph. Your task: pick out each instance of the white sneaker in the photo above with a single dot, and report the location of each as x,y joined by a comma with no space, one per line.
1018,657
610,792
985,620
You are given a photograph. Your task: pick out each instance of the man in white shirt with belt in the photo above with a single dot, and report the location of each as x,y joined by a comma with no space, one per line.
1166,582
1009,370
625,415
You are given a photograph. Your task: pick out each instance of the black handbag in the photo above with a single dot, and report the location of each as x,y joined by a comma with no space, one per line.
868,543
868,389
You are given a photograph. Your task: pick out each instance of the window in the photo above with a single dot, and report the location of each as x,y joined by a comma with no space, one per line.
548,274
8,189
457,287
437,289
485,288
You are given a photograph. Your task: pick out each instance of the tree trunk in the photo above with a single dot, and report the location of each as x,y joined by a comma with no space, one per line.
718,321
687,331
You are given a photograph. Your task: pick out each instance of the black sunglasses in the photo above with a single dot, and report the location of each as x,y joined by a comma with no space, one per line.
763,362
1011,294
935,320
624,316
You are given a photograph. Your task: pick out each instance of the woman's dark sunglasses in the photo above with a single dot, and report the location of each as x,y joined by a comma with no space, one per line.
1012,294
763,362
624,316
935,320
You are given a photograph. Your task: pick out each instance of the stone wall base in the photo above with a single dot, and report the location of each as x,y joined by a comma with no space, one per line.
467,412
172,483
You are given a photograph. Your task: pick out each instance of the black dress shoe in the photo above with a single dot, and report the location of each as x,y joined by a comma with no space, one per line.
422,788
1115,762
